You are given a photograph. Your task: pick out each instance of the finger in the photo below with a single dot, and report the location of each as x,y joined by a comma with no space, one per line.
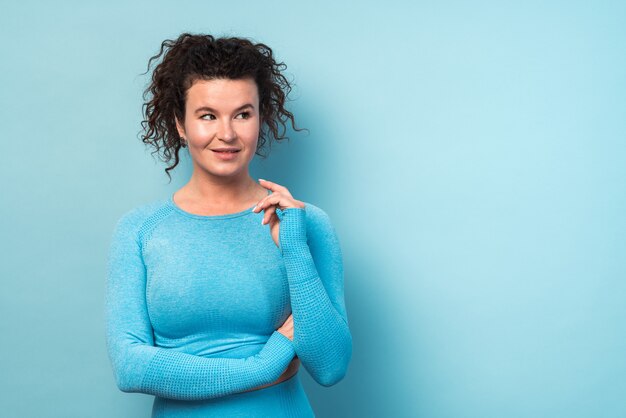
278,199
272,199
269,212
273,186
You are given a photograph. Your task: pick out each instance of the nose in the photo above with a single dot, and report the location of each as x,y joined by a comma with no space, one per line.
226,132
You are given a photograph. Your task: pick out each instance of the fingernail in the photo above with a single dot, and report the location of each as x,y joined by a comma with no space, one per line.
262,179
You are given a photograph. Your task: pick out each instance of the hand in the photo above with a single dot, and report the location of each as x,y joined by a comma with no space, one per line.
287,327
280,198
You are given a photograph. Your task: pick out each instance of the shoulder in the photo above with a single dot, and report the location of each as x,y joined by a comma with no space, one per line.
135,219
315,215
318,222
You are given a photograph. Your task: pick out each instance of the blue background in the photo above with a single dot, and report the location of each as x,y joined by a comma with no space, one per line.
471,156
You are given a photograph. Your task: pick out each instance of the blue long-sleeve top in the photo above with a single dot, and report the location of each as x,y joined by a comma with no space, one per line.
193,302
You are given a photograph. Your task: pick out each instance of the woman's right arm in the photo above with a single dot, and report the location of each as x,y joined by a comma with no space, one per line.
139,366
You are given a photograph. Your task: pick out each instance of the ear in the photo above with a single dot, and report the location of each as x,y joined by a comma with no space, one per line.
179,128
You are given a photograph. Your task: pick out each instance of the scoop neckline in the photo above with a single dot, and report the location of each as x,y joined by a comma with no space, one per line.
178,209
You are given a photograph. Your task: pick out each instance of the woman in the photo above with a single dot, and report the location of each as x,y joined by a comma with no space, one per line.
217,294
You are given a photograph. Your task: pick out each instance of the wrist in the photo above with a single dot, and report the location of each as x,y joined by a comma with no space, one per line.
292,233
275,355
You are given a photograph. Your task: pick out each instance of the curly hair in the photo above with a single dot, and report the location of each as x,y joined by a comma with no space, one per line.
194,57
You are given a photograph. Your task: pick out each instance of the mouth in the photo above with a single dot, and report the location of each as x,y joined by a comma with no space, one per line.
225,154
226,150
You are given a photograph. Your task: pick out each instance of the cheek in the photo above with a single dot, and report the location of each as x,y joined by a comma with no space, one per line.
200,132
250,137
251,132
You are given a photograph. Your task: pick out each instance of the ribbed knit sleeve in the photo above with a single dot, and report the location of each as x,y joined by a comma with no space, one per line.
139,366
314,266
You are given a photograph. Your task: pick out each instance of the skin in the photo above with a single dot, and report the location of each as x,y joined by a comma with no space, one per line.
217,186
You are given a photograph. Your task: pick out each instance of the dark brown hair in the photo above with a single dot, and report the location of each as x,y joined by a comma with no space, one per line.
194,57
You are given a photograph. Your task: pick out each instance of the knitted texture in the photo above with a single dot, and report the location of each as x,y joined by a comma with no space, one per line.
182,376
193,302
322,338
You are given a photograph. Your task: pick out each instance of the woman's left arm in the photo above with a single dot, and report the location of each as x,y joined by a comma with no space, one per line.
314,265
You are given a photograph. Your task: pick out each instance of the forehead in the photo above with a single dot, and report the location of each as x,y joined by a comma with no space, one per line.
222,93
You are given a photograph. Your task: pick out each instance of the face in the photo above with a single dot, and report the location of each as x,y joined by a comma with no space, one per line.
221,114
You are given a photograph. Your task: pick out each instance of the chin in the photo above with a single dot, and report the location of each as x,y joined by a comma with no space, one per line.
225,173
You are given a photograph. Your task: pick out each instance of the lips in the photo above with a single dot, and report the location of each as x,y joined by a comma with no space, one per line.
230,154
225,150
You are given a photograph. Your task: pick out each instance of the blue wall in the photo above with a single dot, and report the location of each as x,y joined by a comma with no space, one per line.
471,156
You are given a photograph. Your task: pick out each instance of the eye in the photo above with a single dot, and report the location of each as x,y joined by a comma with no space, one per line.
208,114
247,114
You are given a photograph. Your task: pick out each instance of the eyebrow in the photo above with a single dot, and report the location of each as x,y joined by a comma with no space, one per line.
208,109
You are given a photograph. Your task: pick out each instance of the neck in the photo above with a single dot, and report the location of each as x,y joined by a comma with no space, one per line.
222,191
